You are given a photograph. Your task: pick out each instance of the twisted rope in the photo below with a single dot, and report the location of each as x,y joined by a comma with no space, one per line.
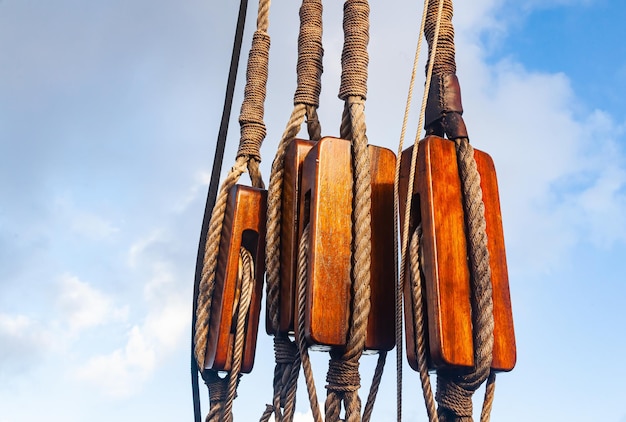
454,388
248,156
343,374
300,340
306,101
418,312
222,391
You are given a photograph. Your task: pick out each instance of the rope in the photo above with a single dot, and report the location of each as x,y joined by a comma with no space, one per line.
343,373
248,156
306,101
418,312
252,134
222,391
301,341
455,388
378,374
396,206
212,193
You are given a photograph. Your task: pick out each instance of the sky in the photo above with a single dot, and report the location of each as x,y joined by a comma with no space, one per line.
109,113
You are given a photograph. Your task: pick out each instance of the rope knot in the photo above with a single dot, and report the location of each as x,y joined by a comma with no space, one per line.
285,350
453,397
343,376
218,387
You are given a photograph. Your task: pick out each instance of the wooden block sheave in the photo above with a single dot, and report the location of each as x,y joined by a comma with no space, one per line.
244,226
326,206
437,206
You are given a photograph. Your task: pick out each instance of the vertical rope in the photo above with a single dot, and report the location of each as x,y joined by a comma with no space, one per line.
343,373
396,206
306,101
301,341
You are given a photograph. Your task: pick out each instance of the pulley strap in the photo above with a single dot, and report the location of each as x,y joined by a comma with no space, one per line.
444,109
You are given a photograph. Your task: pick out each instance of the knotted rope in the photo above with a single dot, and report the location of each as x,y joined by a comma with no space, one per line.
306,101
248,157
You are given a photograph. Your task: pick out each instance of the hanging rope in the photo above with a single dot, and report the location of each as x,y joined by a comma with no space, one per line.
443,116
212,193
222,391
396,206
343,373
306,101
248,157
300,315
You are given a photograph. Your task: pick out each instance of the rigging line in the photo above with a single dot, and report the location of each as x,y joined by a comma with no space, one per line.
400,279
212,193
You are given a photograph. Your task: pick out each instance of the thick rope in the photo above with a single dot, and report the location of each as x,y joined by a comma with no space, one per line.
300,340
248,156
440,15
252,134
343,373
455,388
306,101
418,312
222,391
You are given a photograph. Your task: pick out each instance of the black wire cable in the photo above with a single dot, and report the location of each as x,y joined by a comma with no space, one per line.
212,194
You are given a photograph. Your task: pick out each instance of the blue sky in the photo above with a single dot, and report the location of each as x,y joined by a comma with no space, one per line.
108,117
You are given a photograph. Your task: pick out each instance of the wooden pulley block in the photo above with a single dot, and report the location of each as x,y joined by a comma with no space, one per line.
289,240
326,206
437,205
244,226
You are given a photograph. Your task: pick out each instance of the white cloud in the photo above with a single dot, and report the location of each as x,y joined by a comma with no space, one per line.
84,307
121,372
24,342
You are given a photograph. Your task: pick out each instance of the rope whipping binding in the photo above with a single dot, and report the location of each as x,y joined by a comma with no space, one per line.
212,192
443,116
253,132
306,101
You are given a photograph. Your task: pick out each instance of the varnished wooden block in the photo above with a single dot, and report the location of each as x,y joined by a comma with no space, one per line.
292,178
437,205
244,226
326,205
